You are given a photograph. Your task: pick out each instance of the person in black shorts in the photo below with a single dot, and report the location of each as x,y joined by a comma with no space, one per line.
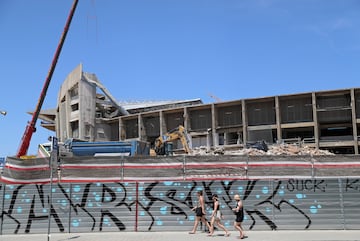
199,212
239,215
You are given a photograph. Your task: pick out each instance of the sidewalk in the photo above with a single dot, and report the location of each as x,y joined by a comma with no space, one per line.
321,235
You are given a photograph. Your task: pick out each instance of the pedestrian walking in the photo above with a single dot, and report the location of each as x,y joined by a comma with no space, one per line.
239,216
216,217
199,212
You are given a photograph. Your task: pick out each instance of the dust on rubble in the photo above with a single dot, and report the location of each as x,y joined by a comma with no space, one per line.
273,150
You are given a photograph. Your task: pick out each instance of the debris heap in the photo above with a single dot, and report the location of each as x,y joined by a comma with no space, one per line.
273,150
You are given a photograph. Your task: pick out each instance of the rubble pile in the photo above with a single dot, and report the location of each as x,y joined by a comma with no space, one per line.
289,149
273,150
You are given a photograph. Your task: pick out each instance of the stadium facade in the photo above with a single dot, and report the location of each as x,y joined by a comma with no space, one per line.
323,119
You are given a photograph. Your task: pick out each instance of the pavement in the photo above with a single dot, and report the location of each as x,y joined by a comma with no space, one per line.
304,235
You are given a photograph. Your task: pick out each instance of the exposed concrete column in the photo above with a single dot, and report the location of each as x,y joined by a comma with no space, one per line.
162,123
215,135
122,132
186,119
244,121
278,119
142,132
57,125
315,119
67,130
187,125
353,119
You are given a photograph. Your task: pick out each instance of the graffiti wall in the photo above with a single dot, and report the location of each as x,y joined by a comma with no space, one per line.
160,206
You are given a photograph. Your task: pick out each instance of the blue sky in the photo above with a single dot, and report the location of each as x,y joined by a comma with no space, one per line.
173,50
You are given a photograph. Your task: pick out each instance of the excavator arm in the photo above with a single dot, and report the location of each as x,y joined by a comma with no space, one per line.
178,133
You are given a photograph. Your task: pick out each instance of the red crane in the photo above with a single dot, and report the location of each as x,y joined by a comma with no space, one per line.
30,128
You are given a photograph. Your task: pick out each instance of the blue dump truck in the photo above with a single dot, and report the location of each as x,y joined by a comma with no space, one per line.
75,147
105,148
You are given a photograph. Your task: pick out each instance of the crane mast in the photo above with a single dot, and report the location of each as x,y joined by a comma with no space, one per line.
30,128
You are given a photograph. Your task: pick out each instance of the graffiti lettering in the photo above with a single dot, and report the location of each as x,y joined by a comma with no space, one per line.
167,205
352,185
306,185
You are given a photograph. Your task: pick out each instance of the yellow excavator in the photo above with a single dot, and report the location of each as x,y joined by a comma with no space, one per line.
162,142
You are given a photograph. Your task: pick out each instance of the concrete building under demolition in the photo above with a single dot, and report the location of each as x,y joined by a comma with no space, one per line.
326,120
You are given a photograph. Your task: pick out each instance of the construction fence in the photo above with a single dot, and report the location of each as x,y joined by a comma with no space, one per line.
286,204
179,168
113,194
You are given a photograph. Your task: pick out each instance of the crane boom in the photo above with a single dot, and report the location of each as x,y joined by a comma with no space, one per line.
30,128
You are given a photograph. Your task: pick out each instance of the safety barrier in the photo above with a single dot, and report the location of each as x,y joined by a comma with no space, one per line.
288,203
180,168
